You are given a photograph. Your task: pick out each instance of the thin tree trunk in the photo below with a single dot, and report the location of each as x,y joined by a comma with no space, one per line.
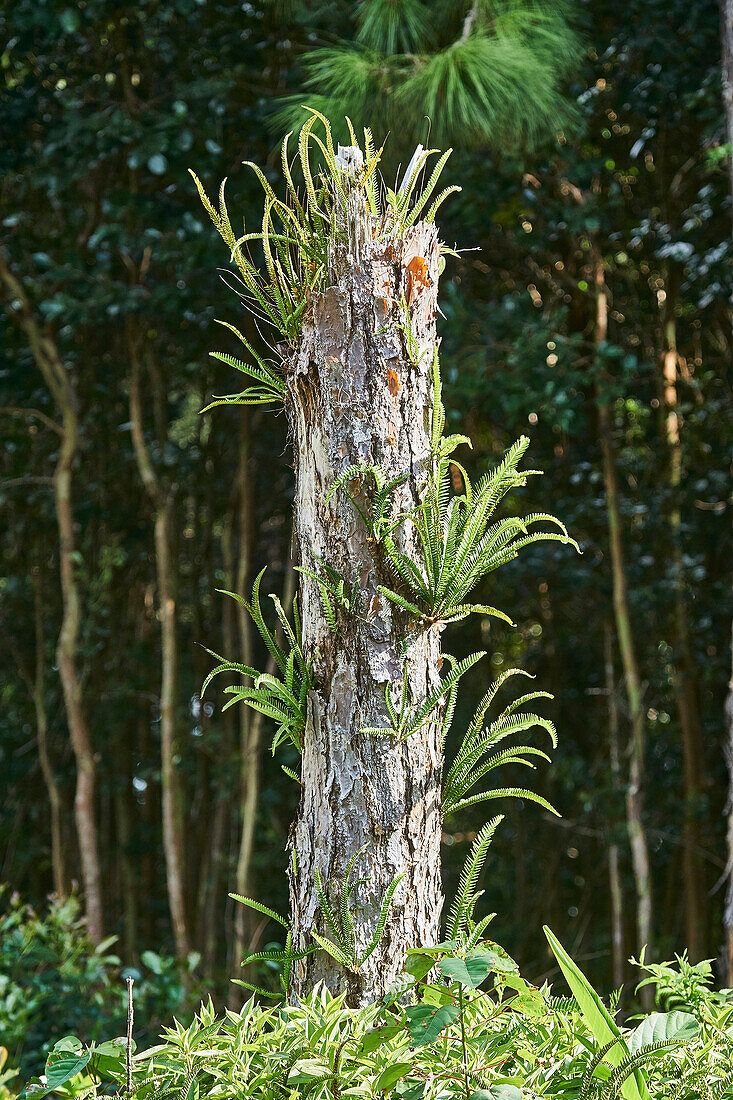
634,694
684,670
170,782
250,724
726,34
728,911
60,384
210,914
49,777
614,873
128,876
355,396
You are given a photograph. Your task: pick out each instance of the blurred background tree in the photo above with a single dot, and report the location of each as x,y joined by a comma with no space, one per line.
590,144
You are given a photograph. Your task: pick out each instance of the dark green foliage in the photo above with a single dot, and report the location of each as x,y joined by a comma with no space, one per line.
341,923
476,756
53,981
482,73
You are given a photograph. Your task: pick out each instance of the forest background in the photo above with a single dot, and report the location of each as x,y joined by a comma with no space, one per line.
125,509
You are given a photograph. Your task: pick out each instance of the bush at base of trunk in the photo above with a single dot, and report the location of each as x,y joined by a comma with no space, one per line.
440,1037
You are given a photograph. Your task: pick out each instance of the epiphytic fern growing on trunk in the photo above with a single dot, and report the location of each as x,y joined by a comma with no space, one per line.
460,925
411,716
297,233
479,755
429,543
282,698
461,541
341,923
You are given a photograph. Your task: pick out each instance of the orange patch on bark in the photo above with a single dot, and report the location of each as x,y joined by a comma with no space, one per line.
418,277
393,382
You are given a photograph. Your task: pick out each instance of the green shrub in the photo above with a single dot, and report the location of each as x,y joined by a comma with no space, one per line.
462,1023
54,981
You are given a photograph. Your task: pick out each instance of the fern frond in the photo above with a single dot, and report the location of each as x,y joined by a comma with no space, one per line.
382,922
252,904
257,989
462,904
499,792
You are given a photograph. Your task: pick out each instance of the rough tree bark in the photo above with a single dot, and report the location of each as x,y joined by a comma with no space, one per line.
355,396
634,694
61,387
163,502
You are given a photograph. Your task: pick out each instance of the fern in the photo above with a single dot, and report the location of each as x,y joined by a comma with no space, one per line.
461,911
375,515
332,589
477,756
283,698
252,904
269,387
341,925
411,717
296,234
459,539
594,1063
635,1062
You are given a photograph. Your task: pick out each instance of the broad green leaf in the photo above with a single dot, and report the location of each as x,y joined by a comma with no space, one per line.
475,968
530,1003
498,1092
419,965
456,970
598,1018
412,1092
379,1035
152,961
436,995
663,1026
62,1066
389,1076
425,1022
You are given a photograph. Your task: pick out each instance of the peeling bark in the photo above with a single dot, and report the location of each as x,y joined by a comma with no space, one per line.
355,396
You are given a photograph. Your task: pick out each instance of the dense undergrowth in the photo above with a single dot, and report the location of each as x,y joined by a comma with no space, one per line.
460,1023
53,981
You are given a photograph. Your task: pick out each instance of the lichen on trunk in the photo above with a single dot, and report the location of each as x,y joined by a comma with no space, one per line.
359,393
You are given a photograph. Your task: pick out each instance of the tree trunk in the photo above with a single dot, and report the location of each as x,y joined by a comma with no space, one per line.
250,723
684,670
728,911
170,783
49,778
726,34
356,396
614,873
635,788
61,386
